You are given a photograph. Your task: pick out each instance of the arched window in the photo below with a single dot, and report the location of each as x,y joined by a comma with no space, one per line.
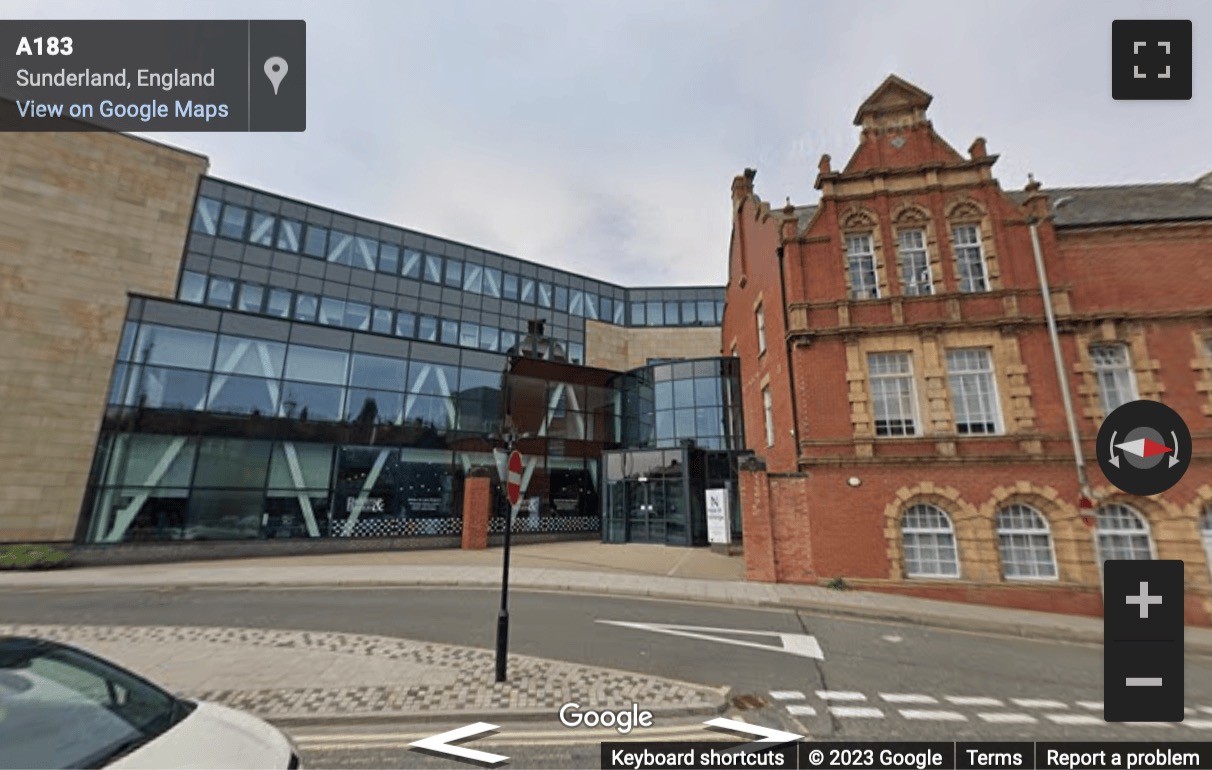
1123,533
929,542
1026,544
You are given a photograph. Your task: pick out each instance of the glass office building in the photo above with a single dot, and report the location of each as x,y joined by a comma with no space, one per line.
320,375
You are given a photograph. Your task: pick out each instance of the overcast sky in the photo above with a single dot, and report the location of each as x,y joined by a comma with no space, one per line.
601,136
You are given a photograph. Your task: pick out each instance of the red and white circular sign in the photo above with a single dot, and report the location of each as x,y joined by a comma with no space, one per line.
513,482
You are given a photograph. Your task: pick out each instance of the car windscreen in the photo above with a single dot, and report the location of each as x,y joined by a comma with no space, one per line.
61,708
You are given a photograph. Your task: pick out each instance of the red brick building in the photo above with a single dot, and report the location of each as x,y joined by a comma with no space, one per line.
900,385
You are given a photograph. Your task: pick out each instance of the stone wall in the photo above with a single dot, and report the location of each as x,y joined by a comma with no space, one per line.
621,348
85,218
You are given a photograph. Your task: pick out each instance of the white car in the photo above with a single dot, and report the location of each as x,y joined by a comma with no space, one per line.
62,707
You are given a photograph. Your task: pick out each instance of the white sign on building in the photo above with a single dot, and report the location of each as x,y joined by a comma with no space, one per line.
719,529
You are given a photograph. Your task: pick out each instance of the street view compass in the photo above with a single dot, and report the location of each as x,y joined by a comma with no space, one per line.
1144,447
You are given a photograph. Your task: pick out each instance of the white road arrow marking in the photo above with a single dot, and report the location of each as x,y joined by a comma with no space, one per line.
802,645
767,736
441,744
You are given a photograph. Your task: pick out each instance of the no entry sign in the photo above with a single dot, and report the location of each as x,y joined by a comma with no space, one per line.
513,482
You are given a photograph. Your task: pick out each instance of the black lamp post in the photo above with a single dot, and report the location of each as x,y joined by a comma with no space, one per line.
510,435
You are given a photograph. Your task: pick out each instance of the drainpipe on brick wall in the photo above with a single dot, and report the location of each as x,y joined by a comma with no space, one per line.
1066,398
795,410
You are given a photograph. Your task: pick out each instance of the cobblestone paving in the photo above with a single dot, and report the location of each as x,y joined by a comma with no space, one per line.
534,683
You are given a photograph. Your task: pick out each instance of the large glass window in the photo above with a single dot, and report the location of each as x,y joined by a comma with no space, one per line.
357,316
406,324
247,355
671,314
655,312
970,258
278,303
860,258
235,220
469,335
973,391
545,298
454,273
232,463
411,266
389,258
193,287
509,286
528,291
251,296
243,395
1026,544
262,230
170,346
310,364
222,292
893,396
290,235
365,252
606,309
690,315
561,298
427,328
576,303
206,216
929,542
915,264
489,338
706,312
450,332
332,311
306,306
340,248
1123,533
591,306
315,241
1116,380
378,372
433,268
473,279
368,406
305,401
637,314
156,388
381,320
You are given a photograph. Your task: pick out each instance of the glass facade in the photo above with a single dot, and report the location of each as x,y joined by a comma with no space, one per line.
326,376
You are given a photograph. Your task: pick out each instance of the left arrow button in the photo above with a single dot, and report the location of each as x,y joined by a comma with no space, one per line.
441,743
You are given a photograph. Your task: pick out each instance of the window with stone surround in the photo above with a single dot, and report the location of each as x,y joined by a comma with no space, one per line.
893,394
1113,371
761,328
1123,533
768,412
916,279
929,542
1025,542
973,391
971,270
860,260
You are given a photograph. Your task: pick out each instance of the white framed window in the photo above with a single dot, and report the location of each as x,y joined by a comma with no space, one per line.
915,263
970,258
768,411
893,395
973,391
860,261
1205,529
1025,542
929,542
761,328
1113,370
1123,533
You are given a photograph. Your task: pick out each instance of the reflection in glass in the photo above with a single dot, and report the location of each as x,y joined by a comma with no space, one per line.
193,287
289,235
234,220
226,462
302,401
433,268
170,346
247,355
454,273
243,395
206,216
315,241
332,311
509,286
411,266
492,282
305,307
528,290
545,295
427,328
450,332
279,303
365,252
222,292
381,321
379,372
251,295
473,279
262,231
316,364
406,324
469,335
340,248
370,407
489,338
357,316
389,258
223,514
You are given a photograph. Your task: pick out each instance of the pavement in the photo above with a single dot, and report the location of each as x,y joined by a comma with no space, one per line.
296,676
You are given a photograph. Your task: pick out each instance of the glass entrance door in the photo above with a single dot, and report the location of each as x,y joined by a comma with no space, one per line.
646,519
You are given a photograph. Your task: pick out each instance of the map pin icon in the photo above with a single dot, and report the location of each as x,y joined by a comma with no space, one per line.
275,70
